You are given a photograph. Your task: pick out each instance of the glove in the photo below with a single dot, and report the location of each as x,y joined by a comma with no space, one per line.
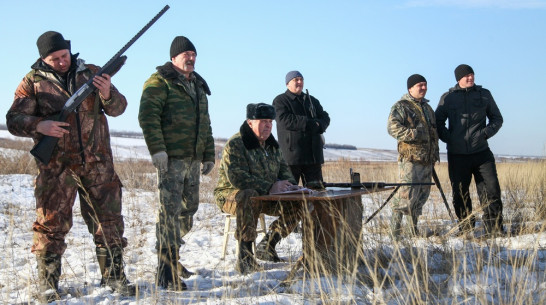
207,167
160,160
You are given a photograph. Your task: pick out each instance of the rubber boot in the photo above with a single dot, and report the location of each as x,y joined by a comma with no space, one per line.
167,270
396,224
245,262
111,268
265,250
49,272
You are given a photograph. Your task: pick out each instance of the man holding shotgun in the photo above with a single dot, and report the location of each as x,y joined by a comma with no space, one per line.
412,123
81,164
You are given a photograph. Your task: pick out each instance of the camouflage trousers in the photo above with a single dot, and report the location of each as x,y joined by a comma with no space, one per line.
178,201
248,211
99,190
413,196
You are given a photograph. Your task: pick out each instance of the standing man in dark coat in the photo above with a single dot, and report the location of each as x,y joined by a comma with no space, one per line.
301,121
473,118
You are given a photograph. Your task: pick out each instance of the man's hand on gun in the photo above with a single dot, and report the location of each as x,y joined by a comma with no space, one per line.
52,128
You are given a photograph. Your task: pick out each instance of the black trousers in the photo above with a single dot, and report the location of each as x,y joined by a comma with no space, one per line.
482,166
307,173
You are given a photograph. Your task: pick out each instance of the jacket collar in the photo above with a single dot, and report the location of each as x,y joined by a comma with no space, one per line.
167,71
408,97
251,142
458,88
291,95
77,64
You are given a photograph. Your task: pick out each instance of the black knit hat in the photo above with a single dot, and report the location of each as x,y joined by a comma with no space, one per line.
260,111
462,71
51,41
181,44
291,75
415,79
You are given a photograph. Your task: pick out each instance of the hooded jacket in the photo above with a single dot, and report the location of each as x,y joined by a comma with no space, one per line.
173,121
247,165
473,118
41,96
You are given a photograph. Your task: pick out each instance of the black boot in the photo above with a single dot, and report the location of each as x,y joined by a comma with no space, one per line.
183,272
167,270
265,250
111,268
245,262
49,272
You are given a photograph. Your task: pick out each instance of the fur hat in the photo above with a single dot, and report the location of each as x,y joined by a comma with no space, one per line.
415,79
181,44
50,42
260,111
462,71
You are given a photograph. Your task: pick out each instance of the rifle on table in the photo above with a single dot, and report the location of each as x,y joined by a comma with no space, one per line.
43,150
356,184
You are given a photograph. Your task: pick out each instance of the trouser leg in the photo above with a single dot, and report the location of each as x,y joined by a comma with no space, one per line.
55,192
489,192
460,175
190,173
101,204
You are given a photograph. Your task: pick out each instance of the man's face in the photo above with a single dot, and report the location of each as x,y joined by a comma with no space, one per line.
59,60
467,81
295,85
261,128
185,62
418,91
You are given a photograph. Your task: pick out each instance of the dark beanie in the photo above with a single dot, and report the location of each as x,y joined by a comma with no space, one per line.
291,75
181,44
260,111
50,42
415,79
462,70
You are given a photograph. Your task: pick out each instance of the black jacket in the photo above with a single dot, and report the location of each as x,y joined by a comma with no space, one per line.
467,110
297,130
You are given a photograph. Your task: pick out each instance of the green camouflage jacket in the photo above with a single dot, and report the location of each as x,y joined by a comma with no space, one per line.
41,96
247,165
171,120
413,125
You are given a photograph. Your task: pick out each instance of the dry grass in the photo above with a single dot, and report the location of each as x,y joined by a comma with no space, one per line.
434,270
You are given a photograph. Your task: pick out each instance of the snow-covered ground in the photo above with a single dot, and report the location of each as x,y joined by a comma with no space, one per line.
500,271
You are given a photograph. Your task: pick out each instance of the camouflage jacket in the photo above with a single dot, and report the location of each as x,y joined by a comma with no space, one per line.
41,96
413,125
171,120
247,165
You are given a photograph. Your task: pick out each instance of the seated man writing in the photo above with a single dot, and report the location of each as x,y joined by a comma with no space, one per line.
252,165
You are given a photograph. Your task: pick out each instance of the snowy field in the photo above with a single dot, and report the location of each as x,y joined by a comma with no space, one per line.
498,271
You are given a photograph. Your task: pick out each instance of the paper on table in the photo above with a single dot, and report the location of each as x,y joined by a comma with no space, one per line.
303,190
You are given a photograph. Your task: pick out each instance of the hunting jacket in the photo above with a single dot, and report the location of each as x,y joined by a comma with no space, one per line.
299,136
413,125
247,165
41,96
173,121
467,110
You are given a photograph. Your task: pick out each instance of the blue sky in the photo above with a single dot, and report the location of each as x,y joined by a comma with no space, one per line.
355,56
